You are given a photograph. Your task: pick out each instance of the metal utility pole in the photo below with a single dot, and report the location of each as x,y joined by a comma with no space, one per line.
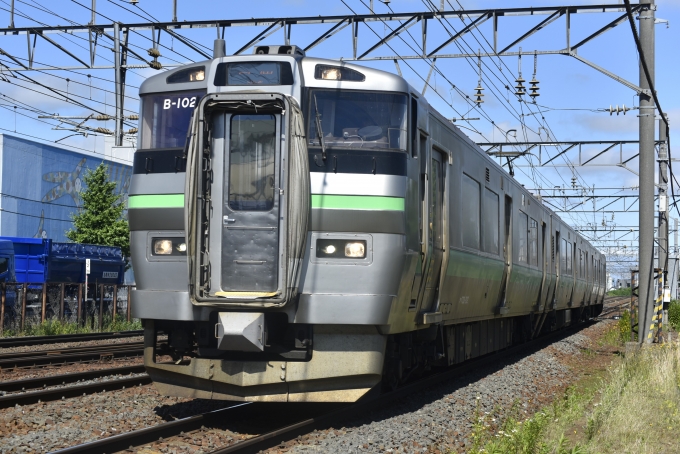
119,88
663,217
94,12
11,15
674,276
647,152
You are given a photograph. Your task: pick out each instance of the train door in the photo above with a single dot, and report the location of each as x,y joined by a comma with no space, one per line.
250,208
559,267
423,195
507,252
435,227
545,280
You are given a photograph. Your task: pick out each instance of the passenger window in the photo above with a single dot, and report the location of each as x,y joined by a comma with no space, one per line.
252,150
569,258
533,242
563,256
471,212
522,231
490,221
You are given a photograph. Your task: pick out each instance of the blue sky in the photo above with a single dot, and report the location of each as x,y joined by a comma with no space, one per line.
571,92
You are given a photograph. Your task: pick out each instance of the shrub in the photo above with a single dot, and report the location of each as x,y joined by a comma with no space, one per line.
674,315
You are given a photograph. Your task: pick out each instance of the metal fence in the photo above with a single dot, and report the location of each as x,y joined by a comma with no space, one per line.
21,304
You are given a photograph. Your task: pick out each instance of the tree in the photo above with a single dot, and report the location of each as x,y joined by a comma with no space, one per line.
101,219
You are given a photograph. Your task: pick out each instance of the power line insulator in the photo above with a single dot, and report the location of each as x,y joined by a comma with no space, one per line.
155,64
520,89
534,88
133,117
618,109
153,52
479,94
104,117
132,131
104,131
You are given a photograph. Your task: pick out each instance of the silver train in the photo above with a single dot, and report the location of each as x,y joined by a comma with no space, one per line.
309,230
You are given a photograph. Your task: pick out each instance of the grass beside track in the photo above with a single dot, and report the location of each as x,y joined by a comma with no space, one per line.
632,406
56,327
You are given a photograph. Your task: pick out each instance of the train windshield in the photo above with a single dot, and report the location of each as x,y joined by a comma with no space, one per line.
166,117
353,119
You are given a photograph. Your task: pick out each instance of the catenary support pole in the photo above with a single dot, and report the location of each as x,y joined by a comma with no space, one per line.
119,88
663,219
647,152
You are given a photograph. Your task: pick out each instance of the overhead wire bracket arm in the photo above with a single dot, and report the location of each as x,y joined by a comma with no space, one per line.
60,47
333,30
550,19
260,36
476,23
604,29
621,80
558,155
186,42
392,34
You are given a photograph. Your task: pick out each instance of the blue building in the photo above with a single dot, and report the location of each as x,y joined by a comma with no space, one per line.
40,186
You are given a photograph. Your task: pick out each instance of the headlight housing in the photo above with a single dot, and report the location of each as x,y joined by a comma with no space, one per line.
168,246
340,249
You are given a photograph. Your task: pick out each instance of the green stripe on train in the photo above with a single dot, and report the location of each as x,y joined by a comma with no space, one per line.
156,201
347,202
358,202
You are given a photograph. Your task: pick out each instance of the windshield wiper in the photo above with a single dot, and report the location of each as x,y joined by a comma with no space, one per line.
319,131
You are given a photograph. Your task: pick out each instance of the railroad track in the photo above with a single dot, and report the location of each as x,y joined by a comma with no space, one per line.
33,397
71,355
311,418
45,340
614,305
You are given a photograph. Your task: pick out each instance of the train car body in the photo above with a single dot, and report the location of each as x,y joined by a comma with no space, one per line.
316,229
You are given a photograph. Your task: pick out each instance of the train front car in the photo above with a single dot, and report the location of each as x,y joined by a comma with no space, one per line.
273,276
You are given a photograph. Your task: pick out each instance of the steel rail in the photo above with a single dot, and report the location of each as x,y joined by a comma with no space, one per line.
72,391
45,340
63,379
16,360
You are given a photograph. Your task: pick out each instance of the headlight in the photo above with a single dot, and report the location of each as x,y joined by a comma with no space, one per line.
355,250
340,249
162,247
169,246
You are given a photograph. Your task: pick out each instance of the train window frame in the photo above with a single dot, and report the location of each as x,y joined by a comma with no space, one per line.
332,141
285,68
469,218
570,270
153,129
270,178
522,238
489,223
533,242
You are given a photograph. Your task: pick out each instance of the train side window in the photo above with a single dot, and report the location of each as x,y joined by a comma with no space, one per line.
414,127
522,233
533,242
490,221
563,256
569,259
471,212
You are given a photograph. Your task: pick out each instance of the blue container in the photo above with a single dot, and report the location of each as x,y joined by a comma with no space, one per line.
6,261
39,260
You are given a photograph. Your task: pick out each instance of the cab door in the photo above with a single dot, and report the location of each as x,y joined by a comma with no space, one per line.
251,205
435,229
